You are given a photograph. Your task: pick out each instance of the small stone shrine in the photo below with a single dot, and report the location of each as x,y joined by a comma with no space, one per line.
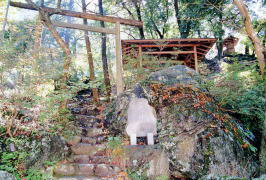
141,121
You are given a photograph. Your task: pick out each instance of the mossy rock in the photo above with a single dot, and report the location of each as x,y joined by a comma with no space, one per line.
198,137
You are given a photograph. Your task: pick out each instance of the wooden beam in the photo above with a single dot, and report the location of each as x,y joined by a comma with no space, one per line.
167,61
84,27
119,67
196,59
205,46
80,14
204,50
169,52
168,45
206,40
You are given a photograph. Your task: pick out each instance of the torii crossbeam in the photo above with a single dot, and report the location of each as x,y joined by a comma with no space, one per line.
115,31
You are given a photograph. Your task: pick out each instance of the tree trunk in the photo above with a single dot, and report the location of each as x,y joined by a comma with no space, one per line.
5,21
67,32
104,54
89,54
247,50
259,52
141,30
251,33
183,26
58,6
219,43
37,35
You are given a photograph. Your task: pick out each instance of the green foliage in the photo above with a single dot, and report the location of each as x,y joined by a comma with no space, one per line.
162,178
156,15
9,160
136,176
241,92
35,174
114,142
14,162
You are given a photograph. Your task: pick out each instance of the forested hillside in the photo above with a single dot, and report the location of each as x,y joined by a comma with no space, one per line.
132,89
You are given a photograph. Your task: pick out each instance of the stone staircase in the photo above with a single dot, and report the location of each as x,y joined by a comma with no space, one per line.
88,160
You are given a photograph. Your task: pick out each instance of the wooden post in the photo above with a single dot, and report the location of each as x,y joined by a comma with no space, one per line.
119,67
5,20
196,59
140,57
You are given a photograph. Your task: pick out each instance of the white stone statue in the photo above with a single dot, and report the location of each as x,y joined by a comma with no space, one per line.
141,120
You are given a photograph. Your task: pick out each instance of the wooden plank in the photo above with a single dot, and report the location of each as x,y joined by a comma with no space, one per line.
209,47
167,61
210,40
80,14
168,45
84,27
119,67
204,50
196,59
169,52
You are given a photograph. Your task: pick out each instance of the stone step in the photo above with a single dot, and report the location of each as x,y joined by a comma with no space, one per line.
83,159
93,140
105,170
88,149
74,169
98,170
64,170
73,140
85,121
95,132
85,178
84,111
86,118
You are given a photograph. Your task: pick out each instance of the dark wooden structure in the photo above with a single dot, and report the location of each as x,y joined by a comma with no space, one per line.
178,51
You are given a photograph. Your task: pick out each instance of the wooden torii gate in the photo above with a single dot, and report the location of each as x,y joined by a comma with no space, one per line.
115,31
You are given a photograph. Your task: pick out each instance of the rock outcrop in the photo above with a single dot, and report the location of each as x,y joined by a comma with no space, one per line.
6,176
197,137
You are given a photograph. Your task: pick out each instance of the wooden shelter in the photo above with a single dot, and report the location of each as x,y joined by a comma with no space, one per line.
178,51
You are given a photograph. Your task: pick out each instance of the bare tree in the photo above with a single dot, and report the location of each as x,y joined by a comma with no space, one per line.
89,54
104,54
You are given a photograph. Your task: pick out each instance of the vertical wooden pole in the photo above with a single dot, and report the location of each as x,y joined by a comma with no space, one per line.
5,20
119,67
196,59
140,57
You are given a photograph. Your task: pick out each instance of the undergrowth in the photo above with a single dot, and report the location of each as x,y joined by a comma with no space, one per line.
240,91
